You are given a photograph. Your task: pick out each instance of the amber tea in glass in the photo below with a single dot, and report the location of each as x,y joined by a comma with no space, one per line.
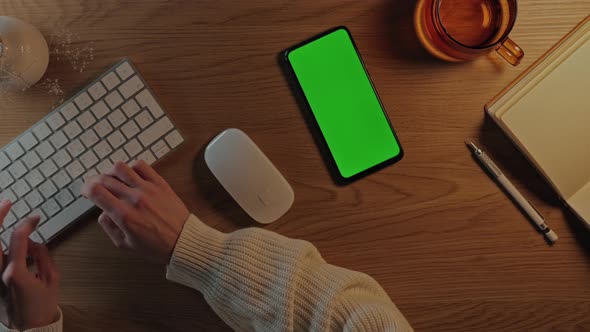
461,30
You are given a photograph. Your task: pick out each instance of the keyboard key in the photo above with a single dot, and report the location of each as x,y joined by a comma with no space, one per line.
133,148
61,179
47,189
174,139
10,220
117,118
70,214
89,138
72,129
119,155
116,139
130,129
114,99
14,151
34,199
147,156
39,212
50,208
76,187
76,148
159,145
58,140
69,111
162,152
55,121
64,198
42,131
125,70
103,128
102,149
5,179
89,174
5,237
48,168
21,188
146,99
20,209
111,81
144,119
75,169
97,90
83,101
4,161
32,159
86,120
89,159
9,195
28,141
131,87
130,108
156,131
100,109
17,169
45,150
35,237
104,166
34,178
62,158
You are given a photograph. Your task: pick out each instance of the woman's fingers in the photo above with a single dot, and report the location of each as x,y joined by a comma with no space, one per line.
19,241
147,173
45,264
5,206
116,187
113,231
16,269
95,190
126,174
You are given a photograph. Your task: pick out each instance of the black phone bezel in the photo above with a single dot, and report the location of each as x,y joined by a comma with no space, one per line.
312,121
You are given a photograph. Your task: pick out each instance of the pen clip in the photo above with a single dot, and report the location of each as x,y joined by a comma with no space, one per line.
534,208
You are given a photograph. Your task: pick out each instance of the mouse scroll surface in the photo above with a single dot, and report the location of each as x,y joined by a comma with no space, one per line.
249,176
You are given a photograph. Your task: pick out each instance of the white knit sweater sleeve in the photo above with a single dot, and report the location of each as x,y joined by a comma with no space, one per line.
54,327
256,280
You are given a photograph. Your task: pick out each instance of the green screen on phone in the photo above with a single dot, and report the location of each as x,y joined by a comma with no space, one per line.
344,103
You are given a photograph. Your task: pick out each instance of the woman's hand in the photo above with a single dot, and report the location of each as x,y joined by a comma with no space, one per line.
30,298
140,210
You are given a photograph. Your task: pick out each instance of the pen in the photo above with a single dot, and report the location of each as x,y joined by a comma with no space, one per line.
503,181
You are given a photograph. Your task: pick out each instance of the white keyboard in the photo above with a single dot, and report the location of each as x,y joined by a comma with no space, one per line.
116,117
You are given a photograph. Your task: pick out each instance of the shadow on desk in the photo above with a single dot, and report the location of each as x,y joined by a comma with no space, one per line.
581,233
514,164
517,168
397,20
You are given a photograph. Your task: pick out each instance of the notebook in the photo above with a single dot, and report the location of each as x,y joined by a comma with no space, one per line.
546,113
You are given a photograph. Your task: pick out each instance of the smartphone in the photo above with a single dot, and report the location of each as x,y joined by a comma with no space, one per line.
337,88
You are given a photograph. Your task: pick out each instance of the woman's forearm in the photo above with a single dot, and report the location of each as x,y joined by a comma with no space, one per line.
259,280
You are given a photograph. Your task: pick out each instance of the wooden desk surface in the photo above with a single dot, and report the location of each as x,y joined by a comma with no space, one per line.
448,246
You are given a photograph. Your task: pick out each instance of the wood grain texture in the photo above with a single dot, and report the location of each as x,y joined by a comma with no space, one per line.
448,246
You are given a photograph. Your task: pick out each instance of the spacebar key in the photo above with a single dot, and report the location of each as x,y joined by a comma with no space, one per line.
63,219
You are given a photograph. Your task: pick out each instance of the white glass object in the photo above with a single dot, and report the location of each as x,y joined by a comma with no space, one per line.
24,54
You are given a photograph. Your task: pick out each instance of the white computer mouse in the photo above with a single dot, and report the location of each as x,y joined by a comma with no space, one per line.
249,176
24,54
